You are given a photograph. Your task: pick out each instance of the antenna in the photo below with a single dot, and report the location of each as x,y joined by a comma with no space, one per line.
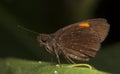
27,29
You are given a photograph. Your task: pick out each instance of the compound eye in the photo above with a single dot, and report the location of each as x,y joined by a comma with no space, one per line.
44,38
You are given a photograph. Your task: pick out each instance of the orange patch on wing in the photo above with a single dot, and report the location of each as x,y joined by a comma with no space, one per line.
84,24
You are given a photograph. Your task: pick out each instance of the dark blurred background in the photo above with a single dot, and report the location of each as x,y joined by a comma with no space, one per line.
47,16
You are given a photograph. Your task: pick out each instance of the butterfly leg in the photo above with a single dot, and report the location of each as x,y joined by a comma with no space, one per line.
68,58
57,55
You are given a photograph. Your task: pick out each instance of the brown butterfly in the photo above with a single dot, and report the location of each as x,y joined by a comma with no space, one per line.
79,41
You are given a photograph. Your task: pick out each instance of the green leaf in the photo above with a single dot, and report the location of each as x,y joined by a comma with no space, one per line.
19,66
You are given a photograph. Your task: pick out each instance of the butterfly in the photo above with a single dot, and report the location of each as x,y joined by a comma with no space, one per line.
79,41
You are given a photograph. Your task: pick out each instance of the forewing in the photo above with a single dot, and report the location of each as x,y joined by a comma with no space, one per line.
82,40
100,26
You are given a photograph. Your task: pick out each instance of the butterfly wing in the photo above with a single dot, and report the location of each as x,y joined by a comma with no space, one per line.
82,41
100,26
